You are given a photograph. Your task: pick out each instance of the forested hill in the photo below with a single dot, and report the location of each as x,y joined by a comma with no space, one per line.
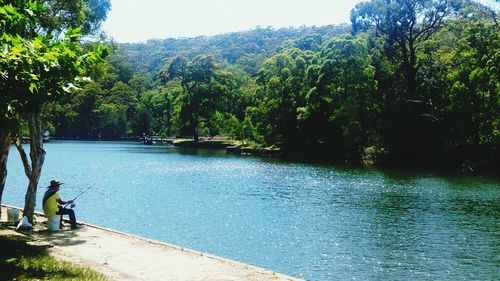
405,82
247,49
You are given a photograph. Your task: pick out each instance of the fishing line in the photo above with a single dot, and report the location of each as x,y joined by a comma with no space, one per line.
89,188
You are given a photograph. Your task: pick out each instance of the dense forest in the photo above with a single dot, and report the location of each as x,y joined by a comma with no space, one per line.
405,82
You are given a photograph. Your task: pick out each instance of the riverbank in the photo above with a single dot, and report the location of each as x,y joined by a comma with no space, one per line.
479,161
231,146
469,160
122,256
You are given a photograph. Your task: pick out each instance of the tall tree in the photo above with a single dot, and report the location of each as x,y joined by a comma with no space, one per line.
205,89
406,24
34,46
58,67
340,110
404,27
474,86
15,72
281,92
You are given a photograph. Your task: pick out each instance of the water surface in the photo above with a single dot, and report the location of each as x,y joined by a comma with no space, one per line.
316,222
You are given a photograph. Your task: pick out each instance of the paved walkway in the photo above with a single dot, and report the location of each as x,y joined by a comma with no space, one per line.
123,256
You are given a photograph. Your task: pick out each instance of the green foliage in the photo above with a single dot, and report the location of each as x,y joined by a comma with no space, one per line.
406,26
205,89
37,69
416,80
112,119
227,124
75,117
281,90
40,61
474,85
407,38
340,110
248,49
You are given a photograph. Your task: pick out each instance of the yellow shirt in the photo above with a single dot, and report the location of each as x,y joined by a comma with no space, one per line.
50,206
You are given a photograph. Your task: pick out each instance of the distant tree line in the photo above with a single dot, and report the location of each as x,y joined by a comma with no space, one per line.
407,81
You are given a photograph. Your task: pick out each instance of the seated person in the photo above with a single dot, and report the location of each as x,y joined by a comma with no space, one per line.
53,205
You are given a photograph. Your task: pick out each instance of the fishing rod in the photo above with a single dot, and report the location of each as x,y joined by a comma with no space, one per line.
81,193
87,189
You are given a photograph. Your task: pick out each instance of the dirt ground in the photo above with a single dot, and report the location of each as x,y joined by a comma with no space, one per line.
123,256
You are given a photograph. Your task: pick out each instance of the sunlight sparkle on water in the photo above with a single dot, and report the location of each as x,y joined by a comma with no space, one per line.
312,221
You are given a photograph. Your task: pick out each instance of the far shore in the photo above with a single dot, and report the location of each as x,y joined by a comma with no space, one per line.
445,162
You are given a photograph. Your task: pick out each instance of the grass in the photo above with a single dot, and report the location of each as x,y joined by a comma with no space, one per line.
20,261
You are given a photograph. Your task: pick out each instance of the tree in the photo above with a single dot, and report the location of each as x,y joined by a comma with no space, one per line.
405,24
112,121
158,104
142,120
15,74
205,90
58,66
402,29
406,47
60,15
474,86
74,116
340,112
281,91
43,64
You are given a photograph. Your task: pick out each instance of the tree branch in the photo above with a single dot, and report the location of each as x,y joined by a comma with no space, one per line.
24,157
435,22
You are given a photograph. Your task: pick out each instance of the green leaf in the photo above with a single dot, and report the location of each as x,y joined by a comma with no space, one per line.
11,260
73,33
33,87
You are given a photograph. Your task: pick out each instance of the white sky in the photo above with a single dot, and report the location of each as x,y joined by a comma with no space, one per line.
140,20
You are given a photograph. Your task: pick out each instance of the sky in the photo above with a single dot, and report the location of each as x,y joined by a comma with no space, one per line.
140,20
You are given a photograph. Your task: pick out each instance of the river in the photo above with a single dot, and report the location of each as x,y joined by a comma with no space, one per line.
317,222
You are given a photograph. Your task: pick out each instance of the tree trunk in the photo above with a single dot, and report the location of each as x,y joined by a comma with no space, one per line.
194,128
412,70
5,142
37,156
409,67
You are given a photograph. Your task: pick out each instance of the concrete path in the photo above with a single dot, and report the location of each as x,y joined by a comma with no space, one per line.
123,256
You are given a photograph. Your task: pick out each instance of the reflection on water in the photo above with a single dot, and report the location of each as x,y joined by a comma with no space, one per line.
317,222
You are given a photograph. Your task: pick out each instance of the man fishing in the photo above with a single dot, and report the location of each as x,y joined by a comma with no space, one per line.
54,205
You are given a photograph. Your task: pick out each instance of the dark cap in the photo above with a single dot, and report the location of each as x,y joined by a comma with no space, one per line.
55,183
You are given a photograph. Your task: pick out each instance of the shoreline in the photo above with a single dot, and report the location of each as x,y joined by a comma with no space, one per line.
125,256
487,167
